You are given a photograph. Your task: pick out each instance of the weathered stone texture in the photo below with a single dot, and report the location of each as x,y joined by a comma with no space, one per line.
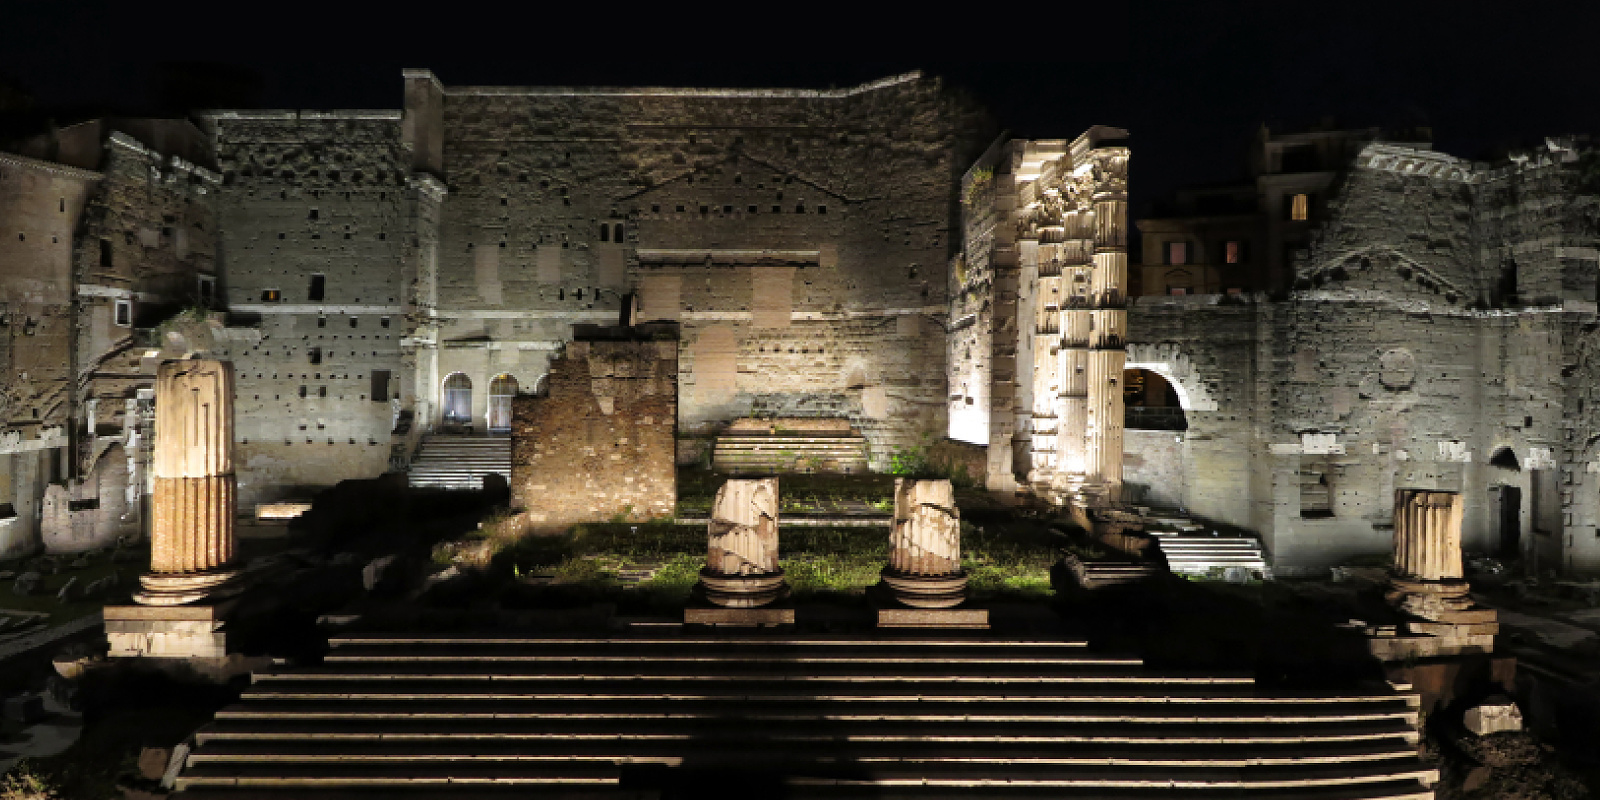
1410,355
319,362
743,535
193,505
600,443
1427,535
926,537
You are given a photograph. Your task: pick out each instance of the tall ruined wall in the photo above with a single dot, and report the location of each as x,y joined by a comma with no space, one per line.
799,238
40,206
600,444
1409,357
314,204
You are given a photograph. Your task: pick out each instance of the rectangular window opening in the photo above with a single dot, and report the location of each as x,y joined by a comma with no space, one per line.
1177,252
1300,208
271,295
380,386
318,284
124,313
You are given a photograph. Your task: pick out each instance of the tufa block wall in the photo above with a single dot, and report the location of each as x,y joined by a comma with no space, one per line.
599,445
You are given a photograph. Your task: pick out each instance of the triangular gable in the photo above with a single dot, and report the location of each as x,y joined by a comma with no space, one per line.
720,175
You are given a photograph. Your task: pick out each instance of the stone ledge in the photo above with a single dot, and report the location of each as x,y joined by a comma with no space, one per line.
972,618
738,617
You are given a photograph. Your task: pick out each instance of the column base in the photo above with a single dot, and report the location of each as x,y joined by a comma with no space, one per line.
1441,620
927,591
742,591
738,617
141,631
969,618
185,588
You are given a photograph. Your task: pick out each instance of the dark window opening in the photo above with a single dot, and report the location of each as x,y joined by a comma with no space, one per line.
605,232
270,295
616,233
124,313
313,215
322,391
318,284
380,386
383,322
315,355
302,394
322,322
105,252
352,322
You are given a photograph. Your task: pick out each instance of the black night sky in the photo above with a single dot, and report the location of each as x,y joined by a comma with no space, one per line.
1190,80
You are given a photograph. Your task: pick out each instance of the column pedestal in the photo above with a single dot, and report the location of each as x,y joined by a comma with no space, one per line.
1426,584
924,581
741,579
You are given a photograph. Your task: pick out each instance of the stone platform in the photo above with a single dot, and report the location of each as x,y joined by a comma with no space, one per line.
970,618
192,631
766,616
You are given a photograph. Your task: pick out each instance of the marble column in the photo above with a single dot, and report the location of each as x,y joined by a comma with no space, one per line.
925,546
192,538
1427,577
742,546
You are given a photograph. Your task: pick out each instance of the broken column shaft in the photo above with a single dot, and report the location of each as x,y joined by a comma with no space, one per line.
192,538
742,546
925,546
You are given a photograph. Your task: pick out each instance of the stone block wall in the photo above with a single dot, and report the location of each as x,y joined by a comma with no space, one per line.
599,444
318,219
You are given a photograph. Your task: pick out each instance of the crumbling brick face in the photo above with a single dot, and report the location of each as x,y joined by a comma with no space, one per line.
599,445
306,195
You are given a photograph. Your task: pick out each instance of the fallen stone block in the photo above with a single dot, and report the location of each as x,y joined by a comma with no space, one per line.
1493,716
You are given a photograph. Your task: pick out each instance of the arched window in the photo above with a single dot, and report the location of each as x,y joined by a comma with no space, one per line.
605,232
616,231
1151,402
501,390
457,399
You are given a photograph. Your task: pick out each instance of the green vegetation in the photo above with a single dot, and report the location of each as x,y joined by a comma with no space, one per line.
654,566
982,178
809,493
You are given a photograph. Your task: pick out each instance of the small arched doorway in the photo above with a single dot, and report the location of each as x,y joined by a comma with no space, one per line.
457,399
1151,401
1508,501
501,390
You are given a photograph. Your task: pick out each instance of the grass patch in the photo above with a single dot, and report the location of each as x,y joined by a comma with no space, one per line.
810,493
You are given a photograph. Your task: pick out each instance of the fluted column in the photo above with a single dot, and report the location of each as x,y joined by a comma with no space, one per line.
925,546
1427,578
1427,535
192,538
742,546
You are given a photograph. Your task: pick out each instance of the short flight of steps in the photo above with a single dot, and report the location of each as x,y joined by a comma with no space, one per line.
446,461
1199,553
789,716
765,446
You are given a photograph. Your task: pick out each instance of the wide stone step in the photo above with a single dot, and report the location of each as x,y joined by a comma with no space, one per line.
425,688
845,771
670,752
544,713
645,783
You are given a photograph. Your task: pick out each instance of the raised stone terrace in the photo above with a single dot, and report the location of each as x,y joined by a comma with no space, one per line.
677,713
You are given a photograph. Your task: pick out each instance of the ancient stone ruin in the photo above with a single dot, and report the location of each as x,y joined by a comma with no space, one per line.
1427,584
192,539
742,546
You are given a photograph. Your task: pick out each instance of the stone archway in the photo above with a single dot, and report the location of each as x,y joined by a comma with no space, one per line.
1172,364
457,406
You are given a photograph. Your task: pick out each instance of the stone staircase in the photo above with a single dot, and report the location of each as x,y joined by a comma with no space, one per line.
1192,549
678,714
799,445
453,461
1200,553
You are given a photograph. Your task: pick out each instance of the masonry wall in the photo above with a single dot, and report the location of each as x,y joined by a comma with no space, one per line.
319,378
801,240
600,444
1406,358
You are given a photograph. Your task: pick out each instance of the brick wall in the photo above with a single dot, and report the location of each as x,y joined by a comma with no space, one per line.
599,444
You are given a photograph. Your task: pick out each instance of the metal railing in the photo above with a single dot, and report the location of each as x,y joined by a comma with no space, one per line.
1152,418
